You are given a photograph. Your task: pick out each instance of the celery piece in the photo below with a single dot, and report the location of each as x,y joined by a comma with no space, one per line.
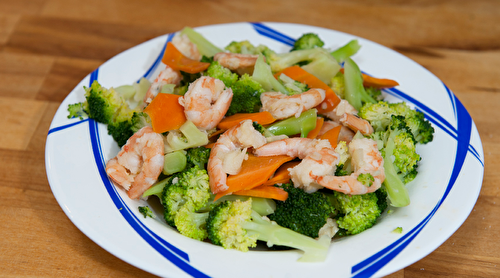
346,51
174,162
291,126
205,47
354,89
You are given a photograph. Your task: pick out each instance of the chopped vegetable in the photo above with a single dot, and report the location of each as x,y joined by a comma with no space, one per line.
265,191
314,133
166,113
262,118
177,61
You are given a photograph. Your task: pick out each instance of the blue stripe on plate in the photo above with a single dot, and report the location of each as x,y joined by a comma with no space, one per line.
273,34
157,61
55,129
374,263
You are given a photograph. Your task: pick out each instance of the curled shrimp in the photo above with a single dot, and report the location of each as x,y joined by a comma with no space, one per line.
365,159
139,162
282,106
229,151
318,159
186,47
166,76
347,115
345,134
242,63
206,102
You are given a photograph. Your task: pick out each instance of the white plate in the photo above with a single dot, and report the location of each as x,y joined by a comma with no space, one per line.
442,196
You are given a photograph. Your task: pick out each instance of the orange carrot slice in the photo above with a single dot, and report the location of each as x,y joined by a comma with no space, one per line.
177,61
255,171
314,133
166,113
379,83
268,191
263,118
282,174
299,74
332,135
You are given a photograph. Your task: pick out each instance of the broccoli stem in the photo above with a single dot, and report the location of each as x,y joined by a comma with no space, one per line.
205,47
262,73
396,190
273,234
346,51
174,162
291,126
157,188
262,206
355,93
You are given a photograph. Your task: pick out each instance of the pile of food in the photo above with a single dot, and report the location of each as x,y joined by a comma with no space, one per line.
244,144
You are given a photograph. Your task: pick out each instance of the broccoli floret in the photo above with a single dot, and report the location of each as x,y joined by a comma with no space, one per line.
77,110
356,213
187,78
186,192
292,126
398,230
379,115
197,156
215,70
338,84
366,179
307,41
234,225
146,211
302,212
190,223
262,206
125,126
246,96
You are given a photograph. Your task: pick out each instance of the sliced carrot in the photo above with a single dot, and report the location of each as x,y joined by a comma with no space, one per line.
314,133
265,191
332,135
379,83
263,118
177,61
255,171
282,174
216,133
166,113
209,145
299,74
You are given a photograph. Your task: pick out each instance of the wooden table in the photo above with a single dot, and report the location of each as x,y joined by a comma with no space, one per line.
48,46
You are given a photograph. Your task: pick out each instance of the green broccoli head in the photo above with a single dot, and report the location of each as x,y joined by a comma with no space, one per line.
77,110
293,87
302,212
190,187
103,104
246,96
197,156
190,223
125,125
215,70
366,179
356,213
146,211
307,41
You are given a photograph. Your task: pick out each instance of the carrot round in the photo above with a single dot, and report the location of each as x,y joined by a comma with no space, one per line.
282,174
299,74
332,135
255,171
314,133
166,113
263,118
379,83
177,61
265,191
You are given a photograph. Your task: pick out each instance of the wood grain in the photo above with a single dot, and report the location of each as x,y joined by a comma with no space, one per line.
48,46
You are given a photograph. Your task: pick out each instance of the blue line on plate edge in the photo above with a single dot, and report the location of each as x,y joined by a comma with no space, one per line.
156,63
159,244
370,266
271,33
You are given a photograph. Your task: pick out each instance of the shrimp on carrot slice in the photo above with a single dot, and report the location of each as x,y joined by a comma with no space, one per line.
166,76
139,162
318,159
229,151
366,160
206,102
347,115
282,106
346,134
241,63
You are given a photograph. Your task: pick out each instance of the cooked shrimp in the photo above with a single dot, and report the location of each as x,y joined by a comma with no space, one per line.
139,162
206,102
282,106
166,76
186,47
242,63
347,115
345,134
229,151
365,159
318,159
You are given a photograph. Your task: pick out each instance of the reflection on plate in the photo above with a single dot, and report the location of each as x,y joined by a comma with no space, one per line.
442,196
